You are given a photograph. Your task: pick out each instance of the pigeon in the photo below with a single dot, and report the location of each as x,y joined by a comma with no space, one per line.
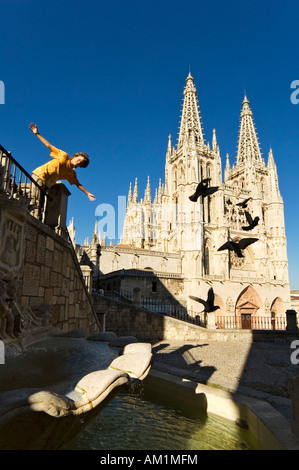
203,190
243,204
238,246
252,222
209,303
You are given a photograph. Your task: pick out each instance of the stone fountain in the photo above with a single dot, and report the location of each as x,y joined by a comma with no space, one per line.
42,418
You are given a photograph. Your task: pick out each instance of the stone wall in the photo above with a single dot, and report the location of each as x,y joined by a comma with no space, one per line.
51,276
120,256
132,320
129,319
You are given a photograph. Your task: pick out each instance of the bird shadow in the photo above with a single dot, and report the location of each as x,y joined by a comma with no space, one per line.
180,360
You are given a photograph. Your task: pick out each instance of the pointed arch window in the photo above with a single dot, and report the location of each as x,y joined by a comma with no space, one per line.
175,179
209,171
199,171
176,210
262,189
206,260
209,210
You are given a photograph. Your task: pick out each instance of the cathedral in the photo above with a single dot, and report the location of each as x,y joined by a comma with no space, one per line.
177,240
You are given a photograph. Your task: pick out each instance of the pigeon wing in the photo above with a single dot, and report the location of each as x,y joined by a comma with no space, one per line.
246,241
243,203
209,191
199,190
197,299
226,246
248,217
194,197
256,221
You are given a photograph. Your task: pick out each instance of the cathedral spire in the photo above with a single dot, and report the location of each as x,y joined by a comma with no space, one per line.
214,141
271,163
130,194
169,147
227,168
71,230
248,145
190,119
135,194
95,237
274,193
147,193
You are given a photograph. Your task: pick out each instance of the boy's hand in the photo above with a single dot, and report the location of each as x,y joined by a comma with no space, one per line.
33,128
91,197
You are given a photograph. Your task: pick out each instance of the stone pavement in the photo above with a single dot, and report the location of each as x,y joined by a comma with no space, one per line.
260,369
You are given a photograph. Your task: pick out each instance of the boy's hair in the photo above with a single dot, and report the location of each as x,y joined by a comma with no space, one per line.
85,162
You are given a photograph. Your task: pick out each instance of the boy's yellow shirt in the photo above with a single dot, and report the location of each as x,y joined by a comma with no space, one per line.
57,169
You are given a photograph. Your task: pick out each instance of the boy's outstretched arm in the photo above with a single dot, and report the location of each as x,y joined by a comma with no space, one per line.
91,196
34,129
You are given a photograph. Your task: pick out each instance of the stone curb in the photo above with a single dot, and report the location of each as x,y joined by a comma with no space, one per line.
268,425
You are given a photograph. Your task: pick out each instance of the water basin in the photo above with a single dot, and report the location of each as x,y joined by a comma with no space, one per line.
132,419
142,420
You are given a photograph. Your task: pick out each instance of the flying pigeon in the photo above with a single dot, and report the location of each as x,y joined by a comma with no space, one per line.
238,246
203,190
209,303
252,222
243,204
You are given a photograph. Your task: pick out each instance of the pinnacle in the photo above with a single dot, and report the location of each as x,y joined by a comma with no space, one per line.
190,118
245,101
135,194
248,145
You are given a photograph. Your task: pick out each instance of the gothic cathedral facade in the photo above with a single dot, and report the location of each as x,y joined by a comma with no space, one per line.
175,236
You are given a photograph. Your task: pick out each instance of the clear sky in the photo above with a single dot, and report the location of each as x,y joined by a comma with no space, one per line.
106,77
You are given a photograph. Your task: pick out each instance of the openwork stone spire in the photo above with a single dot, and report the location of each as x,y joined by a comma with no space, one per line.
147,193
190,119
130,194
248,147
135,194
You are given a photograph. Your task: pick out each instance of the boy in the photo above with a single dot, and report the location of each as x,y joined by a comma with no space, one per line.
61,167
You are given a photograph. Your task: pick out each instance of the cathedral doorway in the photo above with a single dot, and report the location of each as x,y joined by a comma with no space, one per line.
247,307
246,321
247,314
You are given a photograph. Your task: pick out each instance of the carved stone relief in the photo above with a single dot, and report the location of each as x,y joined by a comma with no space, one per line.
15,319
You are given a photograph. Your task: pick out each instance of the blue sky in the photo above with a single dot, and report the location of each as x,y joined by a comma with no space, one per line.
106,77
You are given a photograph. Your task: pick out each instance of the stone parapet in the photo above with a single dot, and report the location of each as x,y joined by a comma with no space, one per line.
129,319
